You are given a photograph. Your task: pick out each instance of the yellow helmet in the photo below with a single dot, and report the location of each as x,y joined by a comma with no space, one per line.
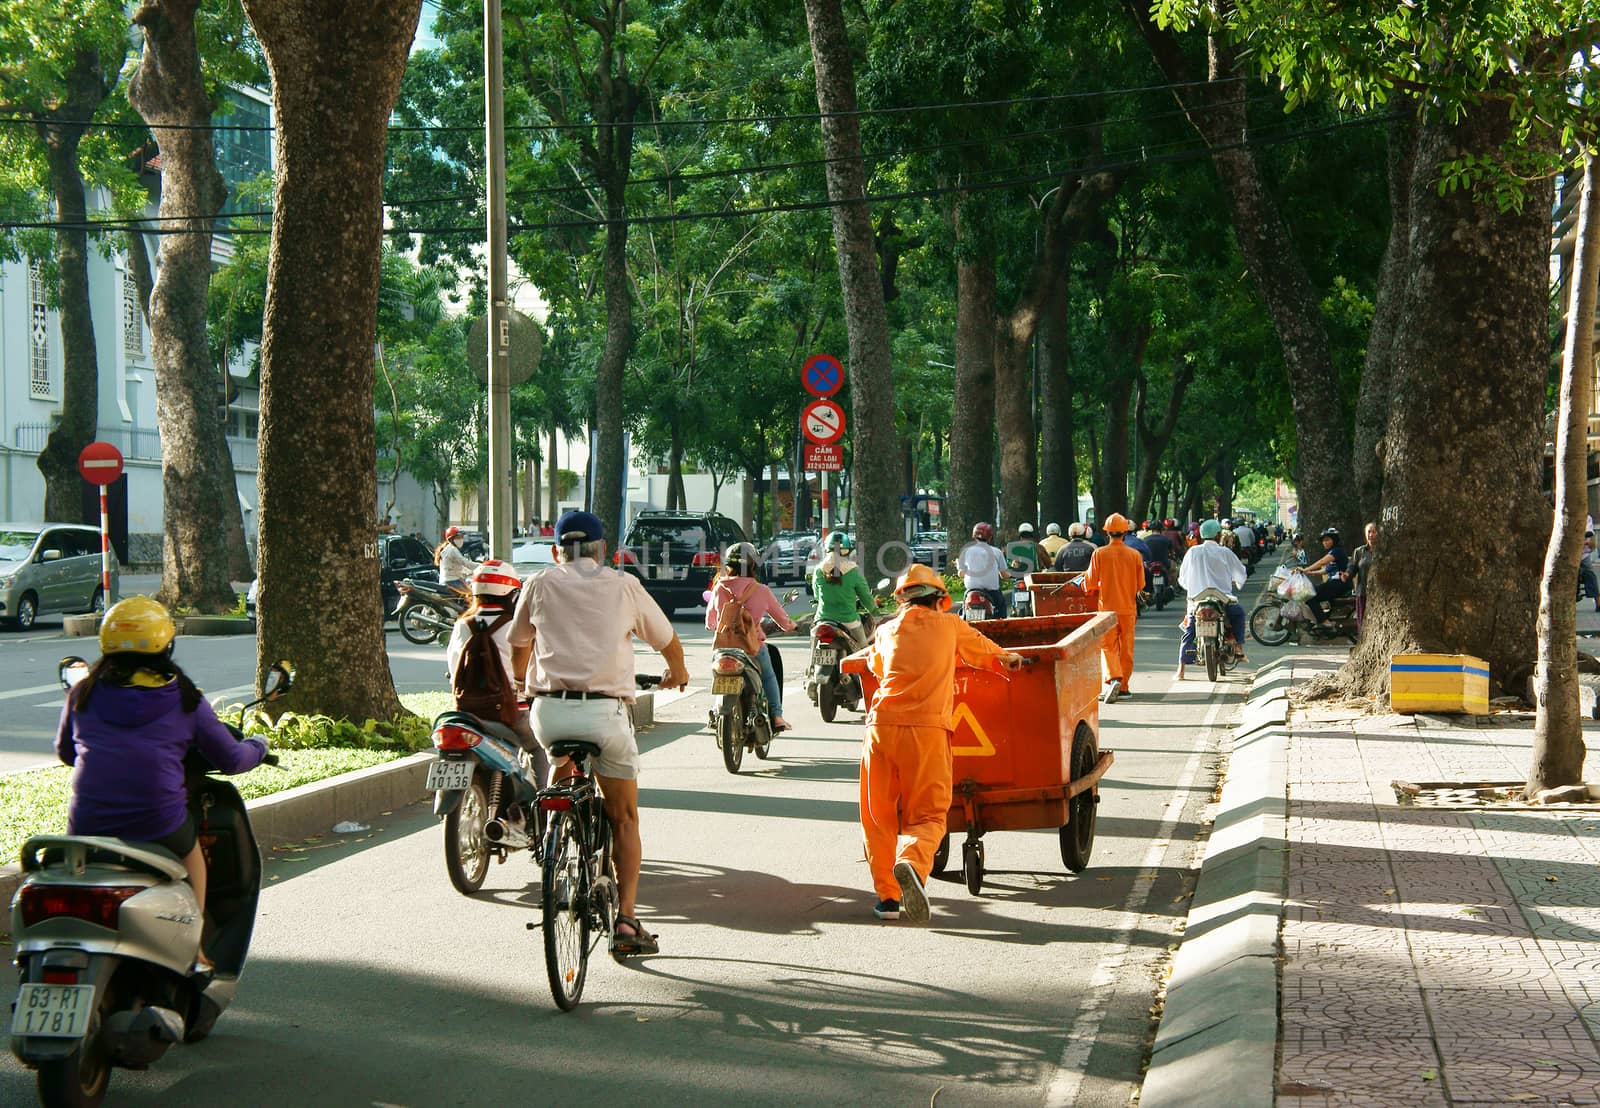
137,625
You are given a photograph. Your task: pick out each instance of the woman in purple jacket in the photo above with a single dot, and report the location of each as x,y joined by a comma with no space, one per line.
125,730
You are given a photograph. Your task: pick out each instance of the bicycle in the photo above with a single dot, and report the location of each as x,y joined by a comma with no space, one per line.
579,897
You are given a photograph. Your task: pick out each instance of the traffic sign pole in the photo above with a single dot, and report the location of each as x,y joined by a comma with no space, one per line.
100,463
105,547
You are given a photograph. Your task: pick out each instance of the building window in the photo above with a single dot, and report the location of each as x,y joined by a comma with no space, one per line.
40,386
132,316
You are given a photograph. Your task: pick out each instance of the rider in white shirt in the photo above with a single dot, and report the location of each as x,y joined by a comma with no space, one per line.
1210,566
981,565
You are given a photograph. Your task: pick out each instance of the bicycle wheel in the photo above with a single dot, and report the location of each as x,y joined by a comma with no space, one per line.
566,913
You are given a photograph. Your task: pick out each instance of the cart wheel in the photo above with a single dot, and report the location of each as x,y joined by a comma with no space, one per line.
972,866
941,856
1077,834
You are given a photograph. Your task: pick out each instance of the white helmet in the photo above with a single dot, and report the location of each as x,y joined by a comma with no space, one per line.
1025,529
494,578
1078,531
1052,529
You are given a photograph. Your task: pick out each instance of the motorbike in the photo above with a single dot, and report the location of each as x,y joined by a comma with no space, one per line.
1276,620
428,610
827,687
108,935
976,607
1160,585
484,788
742,719
1213,645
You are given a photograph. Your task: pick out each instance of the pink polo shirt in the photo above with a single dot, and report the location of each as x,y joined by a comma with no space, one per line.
581,618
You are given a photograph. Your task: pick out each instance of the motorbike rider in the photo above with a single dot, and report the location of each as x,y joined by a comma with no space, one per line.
495,589
1117,572
125,730
737,580
1336,564
1075,554
1022,553
1211,566
1051,544
571,638
841,590
982,565
1247,541
454,566
1160,548
905,754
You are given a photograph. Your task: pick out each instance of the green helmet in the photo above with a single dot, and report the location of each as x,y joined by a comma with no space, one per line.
1210,529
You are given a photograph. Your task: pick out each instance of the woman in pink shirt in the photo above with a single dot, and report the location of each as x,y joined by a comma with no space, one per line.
737,579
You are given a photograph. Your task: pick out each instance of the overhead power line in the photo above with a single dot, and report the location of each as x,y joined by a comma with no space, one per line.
1132,158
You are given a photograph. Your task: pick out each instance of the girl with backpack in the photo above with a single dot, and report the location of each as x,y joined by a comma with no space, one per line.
737,590
478,658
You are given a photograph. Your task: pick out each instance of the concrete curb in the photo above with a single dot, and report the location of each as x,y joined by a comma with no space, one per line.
1217,1042
291,815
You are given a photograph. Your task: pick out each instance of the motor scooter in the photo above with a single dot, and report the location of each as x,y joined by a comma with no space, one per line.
1213,646
484,787
976,607
108,936
1160,585
827,687
428,610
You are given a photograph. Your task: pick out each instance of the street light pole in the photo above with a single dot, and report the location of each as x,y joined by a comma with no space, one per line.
500,475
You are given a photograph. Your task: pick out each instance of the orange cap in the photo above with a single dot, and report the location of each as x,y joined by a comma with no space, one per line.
1117,523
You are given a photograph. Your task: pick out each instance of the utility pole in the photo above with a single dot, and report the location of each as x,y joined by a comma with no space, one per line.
500,476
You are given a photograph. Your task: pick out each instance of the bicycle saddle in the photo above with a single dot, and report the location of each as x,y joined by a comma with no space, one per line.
566,748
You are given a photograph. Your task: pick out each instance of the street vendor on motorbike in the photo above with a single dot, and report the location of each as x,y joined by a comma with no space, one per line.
1335,563
906,782
1211,566
842,592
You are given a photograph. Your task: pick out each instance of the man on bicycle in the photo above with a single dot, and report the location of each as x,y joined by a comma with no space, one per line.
570,637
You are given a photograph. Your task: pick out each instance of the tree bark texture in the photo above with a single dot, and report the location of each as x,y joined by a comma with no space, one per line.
874,496
1372,404
1153,438
1058,462
1558,747
88,81
1466,425
197,479
972,420
1111,480
1216,109
336,69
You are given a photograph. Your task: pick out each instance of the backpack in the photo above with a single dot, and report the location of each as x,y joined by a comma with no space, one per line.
480,682
736,627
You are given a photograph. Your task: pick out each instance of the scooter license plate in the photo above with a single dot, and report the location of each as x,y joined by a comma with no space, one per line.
731,685
53,1011
449,776
826,658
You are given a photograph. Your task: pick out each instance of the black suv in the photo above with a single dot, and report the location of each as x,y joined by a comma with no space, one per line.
399,557
676,554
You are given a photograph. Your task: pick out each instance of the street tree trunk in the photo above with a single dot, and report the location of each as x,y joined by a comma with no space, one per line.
1558,747
1466,424
336,69
1153,438
971,485
1058,462
874,496
1372,405
88,81
1215,106
1111,480
197,480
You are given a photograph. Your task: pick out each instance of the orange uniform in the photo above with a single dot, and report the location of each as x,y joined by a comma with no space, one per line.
905,755
1117,571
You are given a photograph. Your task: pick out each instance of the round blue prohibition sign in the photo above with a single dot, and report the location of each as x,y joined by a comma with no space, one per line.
823,375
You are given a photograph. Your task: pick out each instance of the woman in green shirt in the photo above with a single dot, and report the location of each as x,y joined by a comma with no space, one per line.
841,590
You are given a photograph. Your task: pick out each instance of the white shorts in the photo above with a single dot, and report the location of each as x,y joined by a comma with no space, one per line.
606,723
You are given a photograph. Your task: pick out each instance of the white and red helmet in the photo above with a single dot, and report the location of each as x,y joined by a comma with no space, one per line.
494,579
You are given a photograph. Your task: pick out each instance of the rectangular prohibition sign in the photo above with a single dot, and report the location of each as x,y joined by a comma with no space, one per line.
823,459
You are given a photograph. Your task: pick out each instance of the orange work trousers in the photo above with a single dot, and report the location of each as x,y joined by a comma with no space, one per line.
1116,649
905,791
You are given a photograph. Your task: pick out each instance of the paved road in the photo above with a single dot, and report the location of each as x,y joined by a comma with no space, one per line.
372,982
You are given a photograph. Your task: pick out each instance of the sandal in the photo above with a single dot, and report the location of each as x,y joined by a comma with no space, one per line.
640,942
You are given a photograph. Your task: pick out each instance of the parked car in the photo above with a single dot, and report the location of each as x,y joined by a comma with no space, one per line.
532,556
676,554
930,548
50,567
401,557
786,555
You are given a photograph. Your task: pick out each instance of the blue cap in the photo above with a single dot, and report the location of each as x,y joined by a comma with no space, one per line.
579,527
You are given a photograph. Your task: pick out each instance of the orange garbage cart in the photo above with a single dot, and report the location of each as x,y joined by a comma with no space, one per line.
1026,750
1060,594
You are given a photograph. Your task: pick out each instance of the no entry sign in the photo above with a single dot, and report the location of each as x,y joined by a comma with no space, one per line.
822,375
823,459
823,422
100,463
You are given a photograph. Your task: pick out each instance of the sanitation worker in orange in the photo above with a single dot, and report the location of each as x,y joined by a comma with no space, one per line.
905,755
1117,570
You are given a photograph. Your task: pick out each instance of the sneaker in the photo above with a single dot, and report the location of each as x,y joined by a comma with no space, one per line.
887,909
913,897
